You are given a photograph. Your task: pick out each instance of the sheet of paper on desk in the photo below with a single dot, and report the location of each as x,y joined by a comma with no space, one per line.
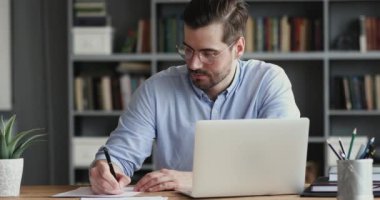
129,198
87,192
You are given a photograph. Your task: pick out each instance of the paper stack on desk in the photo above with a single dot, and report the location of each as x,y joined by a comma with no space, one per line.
86,194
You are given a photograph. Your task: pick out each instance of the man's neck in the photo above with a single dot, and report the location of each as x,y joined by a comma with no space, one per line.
213,92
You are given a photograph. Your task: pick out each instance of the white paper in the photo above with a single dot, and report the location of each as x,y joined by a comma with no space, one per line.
87,192
129,198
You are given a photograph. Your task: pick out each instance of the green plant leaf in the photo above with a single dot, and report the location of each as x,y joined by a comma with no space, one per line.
8,129
2,126
26,143
21,149
19,137
4,152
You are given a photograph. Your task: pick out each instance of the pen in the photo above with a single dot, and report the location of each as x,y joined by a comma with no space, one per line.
341,146
109,161
368,149
342,155
351,143
360,151
332,148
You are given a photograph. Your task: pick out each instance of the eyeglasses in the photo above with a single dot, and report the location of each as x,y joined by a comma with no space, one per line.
205,56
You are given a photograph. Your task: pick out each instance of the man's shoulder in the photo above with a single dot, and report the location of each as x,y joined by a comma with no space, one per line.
174,73
259,67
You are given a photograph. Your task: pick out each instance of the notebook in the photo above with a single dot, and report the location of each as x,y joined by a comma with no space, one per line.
249,157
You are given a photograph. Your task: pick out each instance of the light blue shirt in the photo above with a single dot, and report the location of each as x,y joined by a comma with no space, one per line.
163,112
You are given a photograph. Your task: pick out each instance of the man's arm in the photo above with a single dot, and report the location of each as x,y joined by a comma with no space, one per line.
129,144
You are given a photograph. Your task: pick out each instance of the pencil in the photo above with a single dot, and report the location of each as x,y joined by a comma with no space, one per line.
108,157
332,148
341,146
351,143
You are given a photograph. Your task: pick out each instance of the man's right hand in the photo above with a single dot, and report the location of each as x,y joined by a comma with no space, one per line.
102,181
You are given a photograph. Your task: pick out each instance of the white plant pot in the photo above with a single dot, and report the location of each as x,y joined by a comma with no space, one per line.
10,176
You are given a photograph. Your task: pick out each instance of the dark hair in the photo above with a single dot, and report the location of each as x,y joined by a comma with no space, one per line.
232,14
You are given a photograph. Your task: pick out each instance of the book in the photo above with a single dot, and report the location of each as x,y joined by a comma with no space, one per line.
78,89
106,93
337,100
323,184
333,173
377,91
284,34
249,35
346,92
362,34
369,91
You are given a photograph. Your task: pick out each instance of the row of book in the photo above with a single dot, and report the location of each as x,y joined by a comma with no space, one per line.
369,38
360,92
91,13
268,34
170,33
283,34
105,93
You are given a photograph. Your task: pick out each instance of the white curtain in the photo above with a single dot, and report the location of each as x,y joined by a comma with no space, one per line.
5,56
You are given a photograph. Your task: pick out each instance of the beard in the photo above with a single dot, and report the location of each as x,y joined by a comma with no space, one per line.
205,80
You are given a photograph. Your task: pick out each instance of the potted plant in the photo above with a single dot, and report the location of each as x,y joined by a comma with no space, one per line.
11,148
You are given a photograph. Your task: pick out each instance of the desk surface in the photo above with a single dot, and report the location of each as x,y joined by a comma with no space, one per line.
44,192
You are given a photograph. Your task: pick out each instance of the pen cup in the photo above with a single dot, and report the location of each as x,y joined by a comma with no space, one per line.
355,179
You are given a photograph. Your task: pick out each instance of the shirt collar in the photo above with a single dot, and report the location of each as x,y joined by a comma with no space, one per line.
201,94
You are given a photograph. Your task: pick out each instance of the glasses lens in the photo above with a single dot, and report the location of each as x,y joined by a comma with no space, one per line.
185,52
207,57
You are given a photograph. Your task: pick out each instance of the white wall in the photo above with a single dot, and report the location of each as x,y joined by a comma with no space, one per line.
5,56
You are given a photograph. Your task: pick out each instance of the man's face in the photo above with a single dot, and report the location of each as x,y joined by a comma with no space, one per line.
211,63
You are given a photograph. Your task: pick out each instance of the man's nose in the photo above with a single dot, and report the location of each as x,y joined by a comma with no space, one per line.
194,62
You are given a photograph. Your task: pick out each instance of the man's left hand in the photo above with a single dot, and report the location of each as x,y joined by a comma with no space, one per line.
164,179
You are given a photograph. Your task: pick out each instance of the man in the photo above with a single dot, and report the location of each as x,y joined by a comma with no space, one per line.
214,84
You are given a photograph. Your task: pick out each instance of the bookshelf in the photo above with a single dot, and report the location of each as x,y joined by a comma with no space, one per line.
311,71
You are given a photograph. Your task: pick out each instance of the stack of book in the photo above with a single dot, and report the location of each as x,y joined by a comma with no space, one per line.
109,92
328,186
90,13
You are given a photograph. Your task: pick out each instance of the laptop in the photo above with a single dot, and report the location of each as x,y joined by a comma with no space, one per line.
249,157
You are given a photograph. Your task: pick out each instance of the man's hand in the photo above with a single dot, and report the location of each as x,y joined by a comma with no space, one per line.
164,179
102,181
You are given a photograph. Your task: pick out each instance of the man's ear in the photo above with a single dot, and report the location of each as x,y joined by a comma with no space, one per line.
240,45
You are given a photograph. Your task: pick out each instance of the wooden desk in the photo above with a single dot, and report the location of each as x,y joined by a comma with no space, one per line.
44,192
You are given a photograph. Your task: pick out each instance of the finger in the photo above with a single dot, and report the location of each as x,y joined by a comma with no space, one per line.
163,186
156,181
123,180
147,178
95,180
103,180
105,173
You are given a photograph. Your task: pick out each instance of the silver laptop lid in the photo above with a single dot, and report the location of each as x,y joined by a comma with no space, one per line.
249,157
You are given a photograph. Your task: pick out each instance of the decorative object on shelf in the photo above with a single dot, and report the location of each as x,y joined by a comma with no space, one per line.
11,162
92,40
348,40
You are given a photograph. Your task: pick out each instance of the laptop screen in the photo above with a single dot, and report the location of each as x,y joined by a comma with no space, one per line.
249,157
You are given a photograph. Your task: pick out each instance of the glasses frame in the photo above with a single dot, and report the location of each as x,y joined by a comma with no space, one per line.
210,59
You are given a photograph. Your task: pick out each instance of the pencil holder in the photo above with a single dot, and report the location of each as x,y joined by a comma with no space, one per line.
355,179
